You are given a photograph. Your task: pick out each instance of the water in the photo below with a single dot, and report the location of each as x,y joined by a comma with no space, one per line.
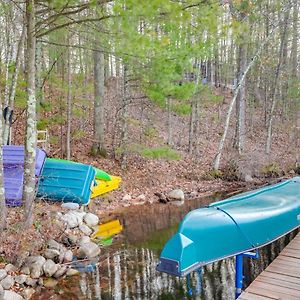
126,269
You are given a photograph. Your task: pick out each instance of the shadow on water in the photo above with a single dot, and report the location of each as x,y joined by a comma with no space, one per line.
126,269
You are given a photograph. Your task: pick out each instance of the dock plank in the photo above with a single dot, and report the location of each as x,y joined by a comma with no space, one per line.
281,279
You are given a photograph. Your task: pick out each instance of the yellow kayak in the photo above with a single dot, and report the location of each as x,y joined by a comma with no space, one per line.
103,187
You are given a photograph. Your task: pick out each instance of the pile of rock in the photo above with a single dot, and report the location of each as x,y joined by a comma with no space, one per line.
56,261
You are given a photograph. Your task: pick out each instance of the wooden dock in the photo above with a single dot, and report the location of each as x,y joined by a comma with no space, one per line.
281,279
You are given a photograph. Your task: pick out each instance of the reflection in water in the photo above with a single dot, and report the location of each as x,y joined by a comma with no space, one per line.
127,268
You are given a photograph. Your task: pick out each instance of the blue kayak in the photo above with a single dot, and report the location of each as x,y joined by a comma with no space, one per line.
233,226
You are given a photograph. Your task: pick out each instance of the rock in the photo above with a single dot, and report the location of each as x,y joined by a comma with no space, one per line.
68,257
89,250
7,282
31,282
1,291
51,253
84,240
35,264
248,178
25,270
72,272
3,273
60,272
27,293
91,220
177,202
73,218
50,267
10,295
52,244
85,229
70,206
70,239
50,283
176,195
141,197
20,279
126,197
10,268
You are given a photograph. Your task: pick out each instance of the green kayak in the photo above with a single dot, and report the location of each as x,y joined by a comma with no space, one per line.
100,174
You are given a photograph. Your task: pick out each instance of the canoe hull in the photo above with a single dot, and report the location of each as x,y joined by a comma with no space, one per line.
233,226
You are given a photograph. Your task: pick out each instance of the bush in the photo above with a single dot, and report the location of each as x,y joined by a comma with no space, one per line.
270,170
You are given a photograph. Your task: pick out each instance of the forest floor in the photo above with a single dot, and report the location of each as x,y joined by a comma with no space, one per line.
143,176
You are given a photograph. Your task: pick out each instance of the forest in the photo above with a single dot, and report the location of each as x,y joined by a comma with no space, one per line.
197,95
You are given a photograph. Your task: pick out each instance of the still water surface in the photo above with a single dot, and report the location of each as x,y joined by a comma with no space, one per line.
126,270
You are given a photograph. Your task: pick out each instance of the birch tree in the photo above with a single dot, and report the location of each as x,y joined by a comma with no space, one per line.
31,134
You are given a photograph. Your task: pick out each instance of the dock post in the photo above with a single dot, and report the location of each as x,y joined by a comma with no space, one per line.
239,270
239,275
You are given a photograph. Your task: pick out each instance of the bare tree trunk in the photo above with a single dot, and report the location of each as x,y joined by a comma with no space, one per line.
69,104
12,92
169,121
2,194
123,118
274,93
98,147
217,159
241,100
31,137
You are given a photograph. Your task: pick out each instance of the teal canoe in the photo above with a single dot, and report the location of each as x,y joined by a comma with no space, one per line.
66,182
100,174
227,228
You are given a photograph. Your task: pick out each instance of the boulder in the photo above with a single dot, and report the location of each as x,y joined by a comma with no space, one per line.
84,240
51,253
177,194
20,279
50,267
68,257
1,291
25,270
52,244
85,229
7,282
70,219
60,272
3,273
88,250
10,268
91,220
70,206
35,264
31,282
10,295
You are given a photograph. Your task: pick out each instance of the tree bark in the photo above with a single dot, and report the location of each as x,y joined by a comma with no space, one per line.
13,86
69,105
31,136
3,210
98,147
275,87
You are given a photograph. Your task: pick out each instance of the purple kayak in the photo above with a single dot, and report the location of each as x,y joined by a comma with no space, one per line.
13,165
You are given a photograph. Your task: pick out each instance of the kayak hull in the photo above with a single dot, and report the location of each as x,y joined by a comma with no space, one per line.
233,226
66,182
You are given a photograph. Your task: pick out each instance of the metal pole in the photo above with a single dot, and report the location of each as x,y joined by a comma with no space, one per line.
238,275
